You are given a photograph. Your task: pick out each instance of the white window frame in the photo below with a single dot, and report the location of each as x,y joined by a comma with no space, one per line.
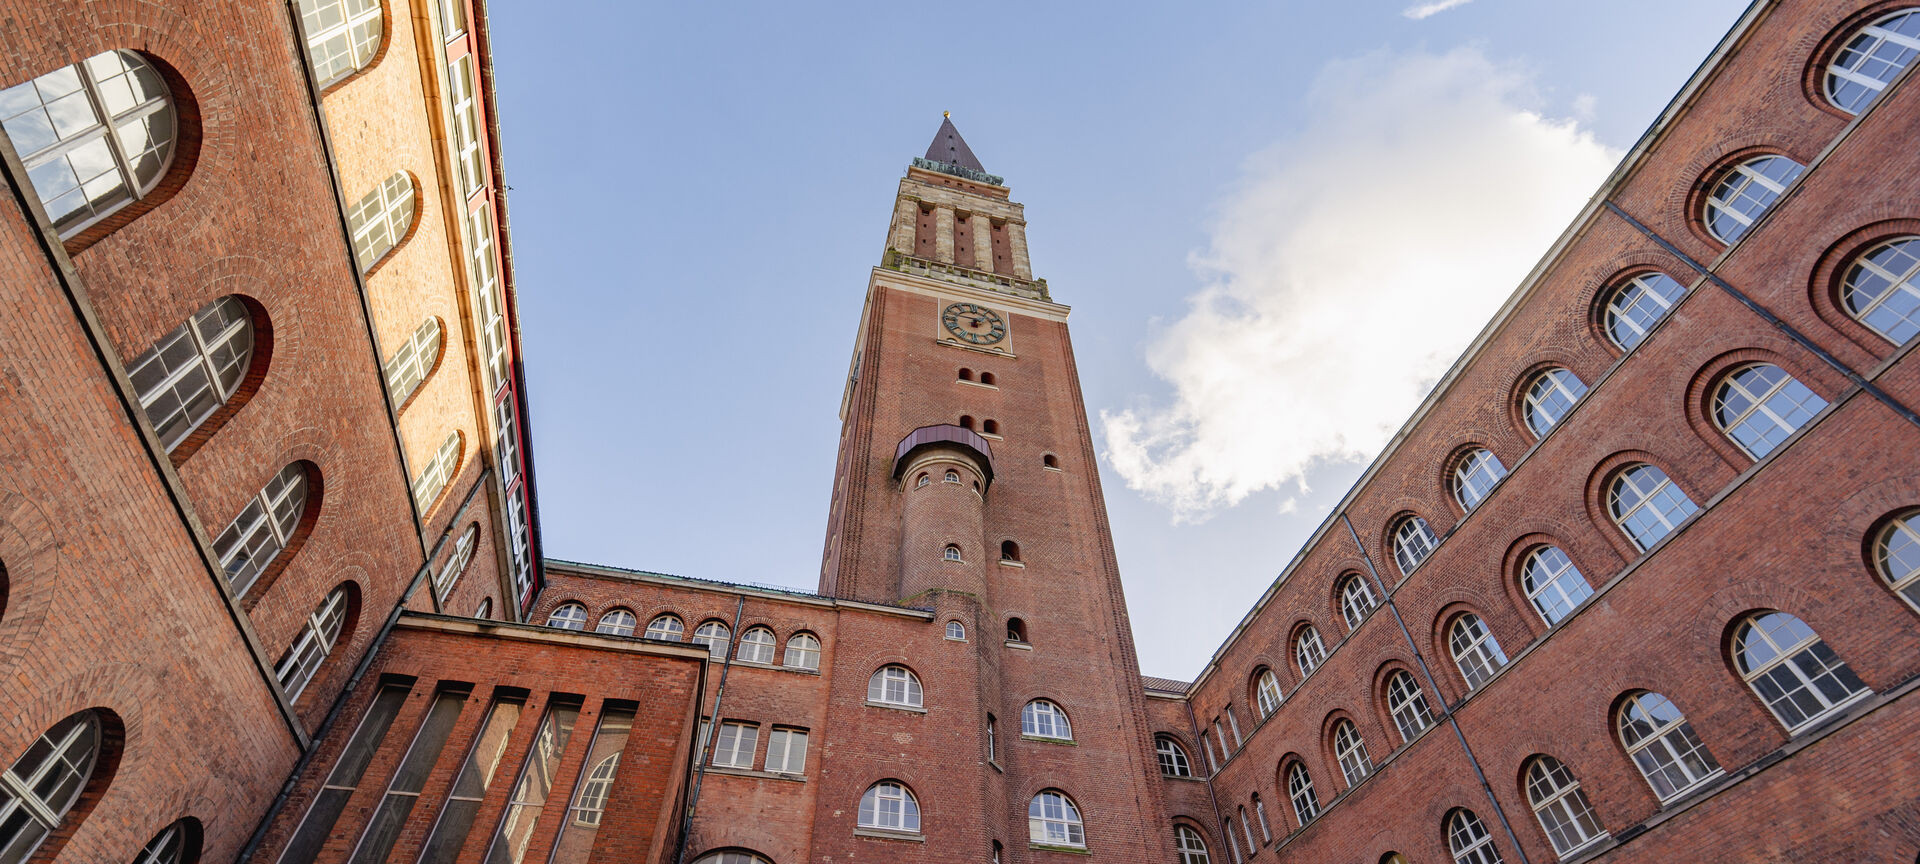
342,36
100,81
1173,759
786,750
1564,812
1665,747
1308,650
1267,694
439,471
734,745
219,364
1408,706
80,732
1733,186
1413,541
410,364
1355,606
167,847
1476,475
568,616
1550,580
1041,718
1639,304
382,218
1776,406
1896,555
1781,650
1191,847
1475,651
956,631
894,684
1351,750
263,529
457,561
1902,286
1054,820
301,664
889,806
802,655
667,627
1867,44
756,646
1300,791
716,635
618,621
1647,484
1550,397
1469,840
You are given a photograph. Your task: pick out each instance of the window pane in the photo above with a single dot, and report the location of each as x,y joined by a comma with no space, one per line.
384,828
596,786
536,782
318,824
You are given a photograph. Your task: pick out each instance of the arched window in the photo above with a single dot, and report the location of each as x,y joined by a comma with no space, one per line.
756,645
1351,750
1550,397
1743,193
1050,461
966,421
1307,650
987,379
1266,691
1475,476
1173,758
993,741
888,806
178,843
1638,304
1246,829
731,857
921,481
966,374
1016,631
1759,406
408,367
666,627
956,631
1260,813
95,136
37,792
1412,542
1871,59
1474,649
803,651
264,528
316,640
485,609
1052,819
895,685
457,561
1356,600
1647,505
568,616
715,636
1300,790
1662,744
1897,555
952,477
439,471
381,219
591,803
342,36
1882,289
1792,670
1468,839
1407,705
1009,551
1562,808
1553,585
951,552
618,622
990,427
1192,849
190,372
1043,719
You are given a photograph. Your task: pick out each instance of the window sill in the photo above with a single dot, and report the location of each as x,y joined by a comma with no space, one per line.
993,435
1069,850
1007,563
883,834
774,667
951,639
892,707
976,384
1183,779
1024,646
749,772
996,766
1044,740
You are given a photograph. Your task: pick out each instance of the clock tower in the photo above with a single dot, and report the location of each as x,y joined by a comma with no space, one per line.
966,483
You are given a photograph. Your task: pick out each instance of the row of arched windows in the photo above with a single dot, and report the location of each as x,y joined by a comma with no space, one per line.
1053,819
757,644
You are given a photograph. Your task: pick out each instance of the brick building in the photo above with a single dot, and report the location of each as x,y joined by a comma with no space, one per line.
1637,581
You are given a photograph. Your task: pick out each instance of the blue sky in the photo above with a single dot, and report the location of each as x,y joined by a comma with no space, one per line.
1223,193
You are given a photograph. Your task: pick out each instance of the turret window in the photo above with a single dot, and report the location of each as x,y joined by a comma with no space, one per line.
1009,552
952,477
956,631
1016,631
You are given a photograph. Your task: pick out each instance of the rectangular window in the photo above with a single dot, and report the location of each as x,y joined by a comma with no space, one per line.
1221,733
507,440
384,828
787,751
317,825
734,749
594,788
1238,740
466,125
536,782
1206,743
476,774
453,18
489,305
517,528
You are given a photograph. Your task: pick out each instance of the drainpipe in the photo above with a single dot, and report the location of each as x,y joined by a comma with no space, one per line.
1193,728
705,750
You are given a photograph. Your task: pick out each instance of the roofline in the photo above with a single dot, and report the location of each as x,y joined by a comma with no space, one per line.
793,595
1629,165
411,620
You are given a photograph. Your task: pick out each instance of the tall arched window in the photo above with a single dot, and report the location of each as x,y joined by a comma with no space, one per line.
1560,805
1351,750
1468,839
1759,406
1792,670
1550,397
316,640
408,367
1266,691
37,792
1882,289
1662,744
1412,542
803,651
1743,193
1053,819
715,636
1647,505
1474,649
568,616
264,528
95,136
1475,476
438,472
888,806
895,685
1896,554
618,622
1192,849
731,857
1246,829
457,561
1308,650
1173,758
1553,585
381,219
1639,303
1043,719
1407,705
666,627
756,645
177,843
1260,815
1871,59
194,369
342,36
1356,600
1300,791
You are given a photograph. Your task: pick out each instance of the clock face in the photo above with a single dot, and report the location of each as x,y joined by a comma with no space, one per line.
975,324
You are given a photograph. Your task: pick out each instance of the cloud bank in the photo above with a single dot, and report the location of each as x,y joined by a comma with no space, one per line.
1347,269
1428,10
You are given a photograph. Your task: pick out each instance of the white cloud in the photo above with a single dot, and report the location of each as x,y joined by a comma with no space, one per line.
1428,10
1347,269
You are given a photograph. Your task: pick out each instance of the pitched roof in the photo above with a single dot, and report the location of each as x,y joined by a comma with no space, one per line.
1163,685
950,148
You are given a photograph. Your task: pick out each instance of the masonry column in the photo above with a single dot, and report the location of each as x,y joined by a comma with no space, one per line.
943,234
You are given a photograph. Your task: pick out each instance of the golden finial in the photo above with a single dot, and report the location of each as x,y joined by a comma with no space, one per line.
947,114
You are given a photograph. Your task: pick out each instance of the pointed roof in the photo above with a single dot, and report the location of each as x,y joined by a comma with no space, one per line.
949,148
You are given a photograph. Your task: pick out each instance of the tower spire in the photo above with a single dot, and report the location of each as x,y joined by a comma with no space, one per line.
949,154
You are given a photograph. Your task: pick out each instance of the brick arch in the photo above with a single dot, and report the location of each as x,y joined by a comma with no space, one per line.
413,223
1342,569
1820,54
1706,381
1598,293
655,611
1463,602
257,365
185,157
31,570
1442,481
1262,664
1513,572
1830,271
1377,697
1602,476
1329,753
1199,825
1716,158
1404,509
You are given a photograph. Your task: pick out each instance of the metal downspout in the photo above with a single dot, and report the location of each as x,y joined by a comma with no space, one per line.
705,750
1193,728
